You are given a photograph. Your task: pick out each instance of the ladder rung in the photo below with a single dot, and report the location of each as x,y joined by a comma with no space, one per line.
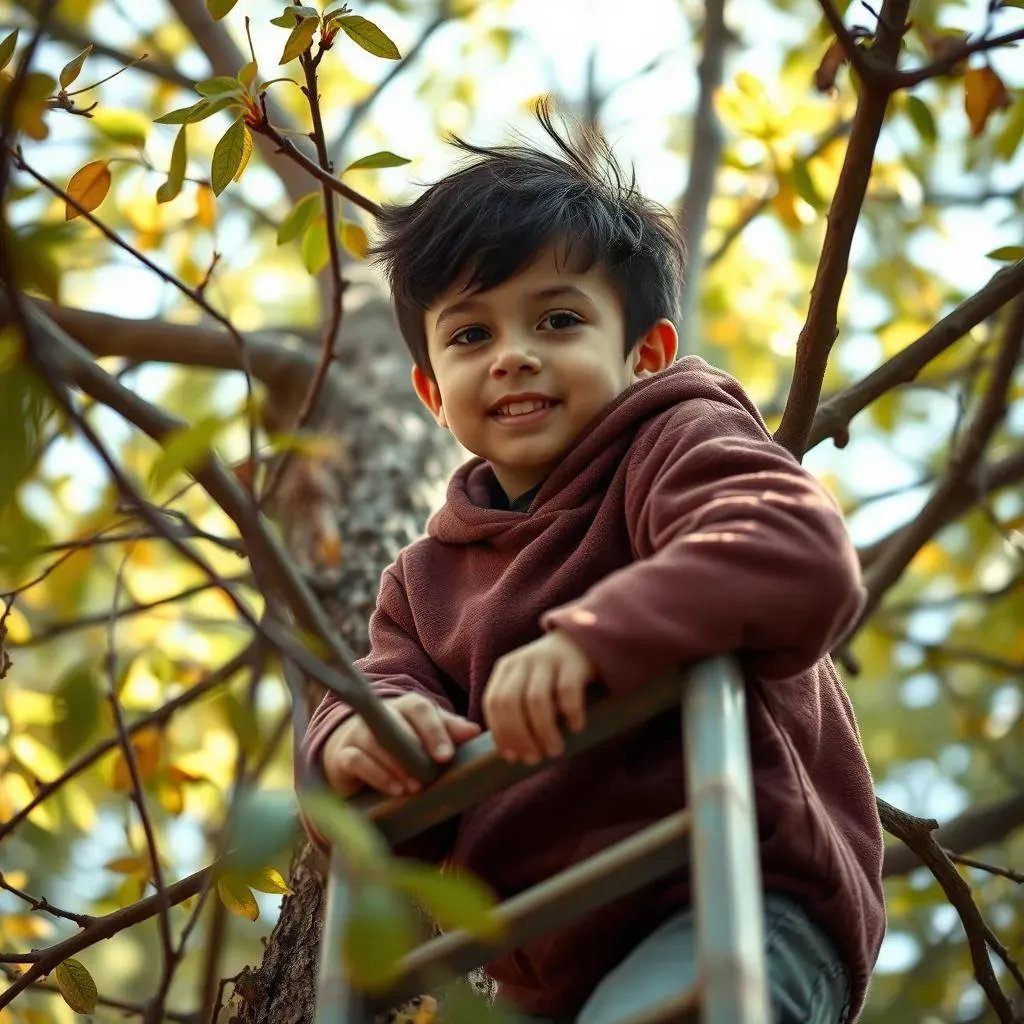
603,878
478,772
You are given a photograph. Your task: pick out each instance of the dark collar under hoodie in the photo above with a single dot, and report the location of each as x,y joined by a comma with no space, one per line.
674,529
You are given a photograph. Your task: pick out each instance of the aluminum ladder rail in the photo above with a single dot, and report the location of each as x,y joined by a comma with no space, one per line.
714,836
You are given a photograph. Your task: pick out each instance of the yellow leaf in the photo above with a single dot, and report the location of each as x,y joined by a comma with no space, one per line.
42,762
984,93
238,898
246,150
129,865
206,208
88,186
25,927
146,744
76,986
354,239
20,794
267,880
172,798
18,631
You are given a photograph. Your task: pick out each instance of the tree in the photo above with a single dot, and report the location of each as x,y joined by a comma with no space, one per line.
153,656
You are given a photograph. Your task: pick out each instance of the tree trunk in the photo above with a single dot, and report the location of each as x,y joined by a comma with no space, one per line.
378,496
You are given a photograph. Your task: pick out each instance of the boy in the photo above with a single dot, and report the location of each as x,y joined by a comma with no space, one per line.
625,513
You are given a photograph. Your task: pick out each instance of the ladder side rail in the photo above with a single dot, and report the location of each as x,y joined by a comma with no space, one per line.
726,871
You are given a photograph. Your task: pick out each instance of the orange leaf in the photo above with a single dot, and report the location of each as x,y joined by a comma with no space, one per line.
146,745
984,93
88,186
834,59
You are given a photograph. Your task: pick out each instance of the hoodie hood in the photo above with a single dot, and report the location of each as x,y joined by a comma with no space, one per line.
467,516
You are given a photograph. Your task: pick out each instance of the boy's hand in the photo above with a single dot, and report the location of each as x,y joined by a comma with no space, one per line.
353,758
528,688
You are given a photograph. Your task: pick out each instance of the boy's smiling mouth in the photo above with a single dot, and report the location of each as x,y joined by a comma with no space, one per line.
524,408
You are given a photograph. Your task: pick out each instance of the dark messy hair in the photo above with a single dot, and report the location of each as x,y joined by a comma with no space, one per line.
490,218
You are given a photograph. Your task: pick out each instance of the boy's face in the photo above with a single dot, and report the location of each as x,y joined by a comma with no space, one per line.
521,369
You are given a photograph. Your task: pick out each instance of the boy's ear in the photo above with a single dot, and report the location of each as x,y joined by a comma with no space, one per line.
429,395
656,350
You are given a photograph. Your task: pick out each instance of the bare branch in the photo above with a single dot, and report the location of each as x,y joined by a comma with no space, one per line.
705,157
289,148
946,63
976,827
44,961
917,833
820,329
103,618
833,416
898,552
992,869
44,906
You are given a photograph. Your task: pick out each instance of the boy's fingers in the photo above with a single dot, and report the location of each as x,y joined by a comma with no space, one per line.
459,729
572,703
425,719
361,765
507,718
541,712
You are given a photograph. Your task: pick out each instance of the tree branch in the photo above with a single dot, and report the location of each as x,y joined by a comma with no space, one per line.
833,416
946,63
705,157
44,906
44,961
289,148
821,327
976,827
917,833
897,554
854,54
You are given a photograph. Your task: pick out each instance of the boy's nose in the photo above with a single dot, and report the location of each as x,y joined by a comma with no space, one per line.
511,357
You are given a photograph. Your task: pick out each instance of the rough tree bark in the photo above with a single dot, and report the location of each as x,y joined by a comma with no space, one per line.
380,497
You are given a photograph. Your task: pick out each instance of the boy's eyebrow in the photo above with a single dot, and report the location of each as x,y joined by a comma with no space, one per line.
557,291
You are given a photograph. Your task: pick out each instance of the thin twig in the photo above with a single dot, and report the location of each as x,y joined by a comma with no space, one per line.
946,63
44,906
916,833
981,865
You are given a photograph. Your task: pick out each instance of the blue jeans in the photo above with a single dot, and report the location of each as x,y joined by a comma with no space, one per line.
808,983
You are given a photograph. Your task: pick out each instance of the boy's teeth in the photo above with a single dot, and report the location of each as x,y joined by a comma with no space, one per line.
521,408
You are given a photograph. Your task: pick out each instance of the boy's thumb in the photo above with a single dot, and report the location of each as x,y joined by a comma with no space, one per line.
459,728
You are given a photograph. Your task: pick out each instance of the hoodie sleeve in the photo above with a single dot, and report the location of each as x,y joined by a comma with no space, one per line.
396,664
738,549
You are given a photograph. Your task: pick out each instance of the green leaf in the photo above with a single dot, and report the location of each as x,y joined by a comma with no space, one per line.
457,901
237,897
227,156
246,152
1013,3
922,119
248,74
804,184
219,8
353,238
176,174
267,880
217,84
25,406
380,930
369,37
385,158
299,217
242,719
299,39
73,68
286,19
1007,254
345,828
263,825
200,111
80,704
315,248
76,986
7,48
127,126
185,449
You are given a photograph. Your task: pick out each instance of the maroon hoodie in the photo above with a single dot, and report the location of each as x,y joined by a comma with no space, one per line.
673,529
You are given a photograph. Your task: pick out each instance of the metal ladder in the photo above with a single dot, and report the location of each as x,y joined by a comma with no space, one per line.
715,836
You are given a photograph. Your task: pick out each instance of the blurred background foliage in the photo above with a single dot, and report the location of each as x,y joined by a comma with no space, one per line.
935,675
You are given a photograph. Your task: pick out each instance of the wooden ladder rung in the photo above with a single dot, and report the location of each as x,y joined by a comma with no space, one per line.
615,872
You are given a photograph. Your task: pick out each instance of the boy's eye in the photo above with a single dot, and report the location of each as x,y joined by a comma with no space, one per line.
469,336
560,320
